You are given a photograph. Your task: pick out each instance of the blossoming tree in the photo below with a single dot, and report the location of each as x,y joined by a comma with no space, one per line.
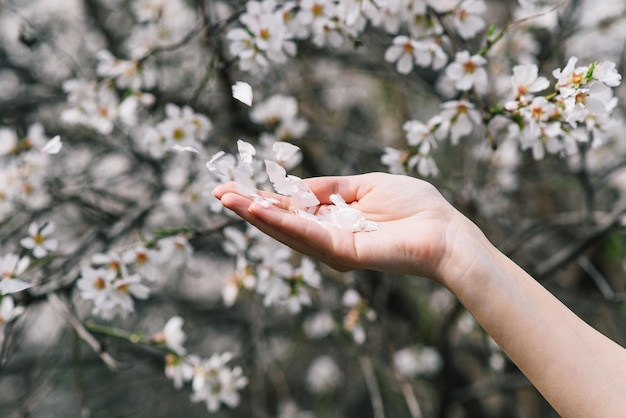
118,117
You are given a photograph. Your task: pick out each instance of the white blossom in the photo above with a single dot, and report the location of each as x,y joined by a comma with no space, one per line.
526,80
39,241
12,267
145,261
319,326
172,335
178,369
458,118
413,361
215,383
323,375
466,19
467,72
404,52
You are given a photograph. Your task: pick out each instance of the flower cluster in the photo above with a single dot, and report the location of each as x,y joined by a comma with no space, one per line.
212,380
158,23
355,312
13,267
424,43
456,120
577,111
358,312
97,104
182,129
23,169
413,361
23,166
265,266
270,28
112,280
280,114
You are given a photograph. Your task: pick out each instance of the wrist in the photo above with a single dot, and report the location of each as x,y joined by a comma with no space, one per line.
469,257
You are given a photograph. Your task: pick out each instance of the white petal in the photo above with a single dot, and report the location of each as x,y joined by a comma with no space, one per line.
27,243
13,286
405,64
180,148
53,146
242,91
246,151
278,177
284,151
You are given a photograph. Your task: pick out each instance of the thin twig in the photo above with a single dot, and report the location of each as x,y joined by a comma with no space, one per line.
409,396
372,386
492,41
62,308
78,376
568,253
603,285
585,179
33,400
175,45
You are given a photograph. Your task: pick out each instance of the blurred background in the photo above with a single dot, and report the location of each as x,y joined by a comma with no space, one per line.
370,344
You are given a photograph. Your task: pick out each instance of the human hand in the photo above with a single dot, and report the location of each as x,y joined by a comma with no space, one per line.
418,230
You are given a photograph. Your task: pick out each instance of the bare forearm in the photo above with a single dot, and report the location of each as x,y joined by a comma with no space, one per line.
578,370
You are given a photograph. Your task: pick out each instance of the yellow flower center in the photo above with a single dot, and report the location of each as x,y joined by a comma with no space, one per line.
462,14
178,134
100,283
141,258
114,265
576,79
469,67
317,10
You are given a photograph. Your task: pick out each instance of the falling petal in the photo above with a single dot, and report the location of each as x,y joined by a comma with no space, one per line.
8,286
53,146
246,151
284,151
242,91
179,148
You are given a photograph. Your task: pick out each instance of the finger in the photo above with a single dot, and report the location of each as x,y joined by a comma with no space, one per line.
221,189
291,229
300,245
236,202
241,206
304,235
231,187
350,188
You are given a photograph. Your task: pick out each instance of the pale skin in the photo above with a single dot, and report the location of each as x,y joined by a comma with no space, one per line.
578,370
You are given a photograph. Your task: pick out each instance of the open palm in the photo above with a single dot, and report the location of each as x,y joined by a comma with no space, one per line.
416,225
